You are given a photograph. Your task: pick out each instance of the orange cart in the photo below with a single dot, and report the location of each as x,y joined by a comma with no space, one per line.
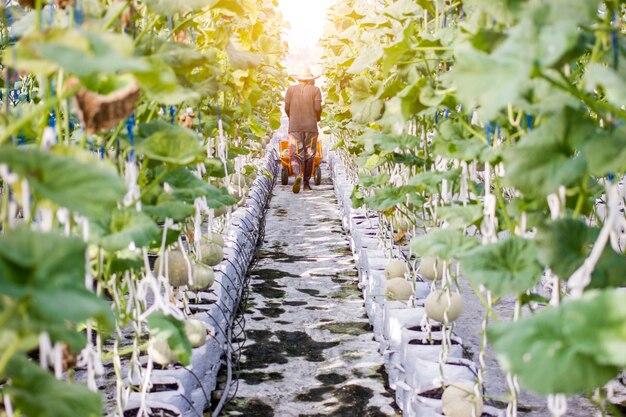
285,160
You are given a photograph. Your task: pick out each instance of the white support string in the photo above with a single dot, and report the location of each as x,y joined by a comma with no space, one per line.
8,406
120,398
131,176
26,200
581,278
557,404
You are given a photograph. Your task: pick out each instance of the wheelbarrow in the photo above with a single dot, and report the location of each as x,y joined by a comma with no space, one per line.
286,155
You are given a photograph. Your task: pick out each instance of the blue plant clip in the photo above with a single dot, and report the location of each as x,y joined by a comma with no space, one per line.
529,122
130,124
615,45
79,15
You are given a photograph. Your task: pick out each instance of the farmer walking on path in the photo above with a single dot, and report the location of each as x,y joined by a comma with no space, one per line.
303,105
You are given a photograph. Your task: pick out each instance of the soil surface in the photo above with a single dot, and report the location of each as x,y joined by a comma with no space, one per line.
309,348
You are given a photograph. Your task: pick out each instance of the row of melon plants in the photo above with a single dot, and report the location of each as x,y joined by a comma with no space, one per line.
490,134
128,131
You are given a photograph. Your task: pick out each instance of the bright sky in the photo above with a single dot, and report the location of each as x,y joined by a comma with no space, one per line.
307,19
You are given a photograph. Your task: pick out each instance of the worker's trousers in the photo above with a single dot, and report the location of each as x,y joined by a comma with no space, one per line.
303,148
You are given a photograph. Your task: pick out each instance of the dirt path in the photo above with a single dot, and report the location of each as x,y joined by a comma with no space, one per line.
309,349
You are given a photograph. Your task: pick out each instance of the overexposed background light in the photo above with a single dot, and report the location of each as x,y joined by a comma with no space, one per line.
307,19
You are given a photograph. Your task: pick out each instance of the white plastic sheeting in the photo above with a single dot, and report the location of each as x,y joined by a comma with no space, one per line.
413,364
185,391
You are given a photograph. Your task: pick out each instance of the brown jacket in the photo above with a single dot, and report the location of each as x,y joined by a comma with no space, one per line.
303,105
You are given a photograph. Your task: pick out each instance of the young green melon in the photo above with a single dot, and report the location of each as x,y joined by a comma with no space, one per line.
220,211
160,352
437,303
196,332
396,268
211,253
177,268
202,277
401,223
460,400
257,146
427,268
398,289
238,179
216,238
239,193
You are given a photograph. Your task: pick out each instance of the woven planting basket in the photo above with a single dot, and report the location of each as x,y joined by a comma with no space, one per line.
102,112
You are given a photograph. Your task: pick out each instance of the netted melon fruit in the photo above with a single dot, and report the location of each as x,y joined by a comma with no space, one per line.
398,289
460,400
160,351
177,268
428,270
196,332
202,277
238,193
239,179
220,211
437,303
216,238
396,268
210,253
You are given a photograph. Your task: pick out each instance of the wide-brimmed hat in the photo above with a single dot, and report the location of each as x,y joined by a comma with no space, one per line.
305,74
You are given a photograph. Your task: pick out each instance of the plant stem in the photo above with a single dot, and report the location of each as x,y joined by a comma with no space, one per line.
118,129
107,356
60,117
146,29
8,312
500,197
38,14
581,198
8,354
472,130
484,302
596,105
152,112
150,186
117,14
189,19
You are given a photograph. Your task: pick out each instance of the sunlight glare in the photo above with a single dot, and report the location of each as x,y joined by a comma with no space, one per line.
307,20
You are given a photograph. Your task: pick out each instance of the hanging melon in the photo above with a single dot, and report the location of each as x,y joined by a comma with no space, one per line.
177,268
216,238
202,277
221,211
398,289
460,400
396,268
210,253
437,303
428,270
196,332
160,351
